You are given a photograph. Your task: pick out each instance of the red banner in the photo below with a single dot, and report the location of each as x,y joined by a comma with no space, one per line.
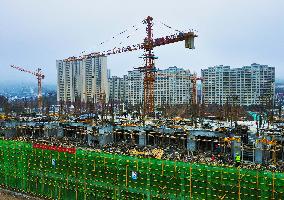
54,148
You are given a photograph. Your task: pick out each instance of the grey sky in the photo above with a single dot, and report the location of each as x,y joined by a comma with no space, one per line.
231,32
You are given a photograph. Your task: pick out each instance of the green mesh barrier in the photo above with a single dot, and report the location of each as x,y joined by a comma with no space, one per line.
51,174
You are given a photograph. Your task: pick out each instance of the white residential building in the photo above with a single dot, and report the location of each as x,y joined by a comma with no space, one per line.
118,89
135,87
249,85
172,86
83,79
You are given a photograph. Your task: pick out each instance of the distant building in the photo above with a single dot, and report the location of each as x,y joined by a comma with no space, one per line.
249,85
172,86
68,80
118,89
135,87
83,79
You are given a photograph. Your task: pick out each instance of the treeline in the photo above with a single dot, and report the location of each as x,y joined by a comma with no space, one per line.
24,105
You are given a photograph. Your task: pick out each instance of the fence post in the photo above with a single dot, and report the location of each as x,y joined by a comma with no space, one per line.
257,185
85,177
117,194
182,182
239,185
94,170
190,183
175,166
76,178
273,185
148,180
137,166
126,175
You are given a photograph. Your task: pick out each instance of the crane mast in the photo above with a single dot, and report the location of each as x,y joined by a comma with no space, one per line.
40,76
148,69
194,80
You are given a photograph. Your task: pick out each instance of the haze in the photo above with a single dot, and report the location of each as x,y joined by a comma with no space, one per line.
35,33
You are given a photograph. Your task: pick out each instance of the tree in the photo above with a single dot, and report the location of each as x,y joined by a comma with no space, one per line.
5,105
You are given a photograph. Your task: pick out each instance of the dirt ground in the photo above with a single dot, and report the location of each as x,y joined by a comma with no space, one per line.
7,195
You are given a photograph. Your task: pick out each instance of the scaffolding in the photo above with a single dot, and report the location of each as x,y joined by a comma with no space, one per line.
61,173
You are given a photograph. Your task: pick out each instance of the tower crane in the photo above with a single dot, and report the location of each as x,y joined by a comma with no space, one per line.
194,80
148,69
38,73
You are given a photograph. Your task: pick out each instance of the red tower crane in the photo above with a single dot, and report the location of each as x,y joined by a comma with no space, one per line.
148,69
38,73
194,80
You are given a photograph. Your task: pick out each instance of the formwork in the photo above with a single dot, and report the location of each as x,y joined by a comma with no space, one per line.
58,173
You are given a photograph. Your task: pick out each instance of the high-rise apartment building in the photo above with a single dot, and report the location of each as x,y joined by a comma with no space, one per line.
135,87
68,80
82,79
249,85
172,86
118,89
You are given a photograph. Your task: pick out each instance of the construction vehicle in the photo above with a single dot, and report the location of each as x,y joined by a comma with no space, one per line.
38,73
148,69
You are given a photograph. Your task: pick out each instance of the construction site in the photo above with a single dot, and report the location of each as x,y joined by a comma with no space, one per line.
91,146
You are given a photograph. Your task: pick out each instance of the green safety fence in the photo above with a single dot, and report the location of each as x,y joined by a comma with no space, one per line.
85,174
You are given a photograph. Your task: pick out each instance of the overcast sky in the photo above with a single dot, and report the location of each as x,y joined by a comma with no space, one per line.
35,33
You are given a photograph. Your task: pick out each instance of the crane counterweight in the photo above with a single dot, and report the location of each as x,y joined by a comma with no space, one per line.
148,69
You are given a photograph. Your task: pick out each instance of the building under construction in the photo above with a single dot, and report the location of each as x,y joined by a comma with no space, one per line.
66,69
60,172
82,80
172,86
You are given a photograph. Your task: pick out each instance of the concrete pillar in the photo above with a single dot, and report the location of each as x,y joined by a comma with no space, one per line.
46,129
109,137
51,130
10,132
105,135
90,139
89,136
191,143
258,154
142,138
109,134
60,132
102,136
